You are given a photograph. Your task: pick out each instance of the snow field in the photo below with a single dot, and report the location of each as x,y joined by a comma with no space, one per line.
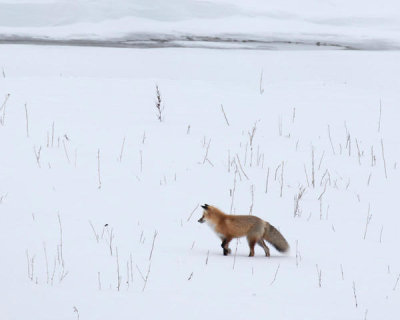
154,175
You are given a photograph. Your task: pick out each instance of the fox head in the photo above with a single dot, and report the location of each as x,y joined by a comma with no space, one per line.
205,214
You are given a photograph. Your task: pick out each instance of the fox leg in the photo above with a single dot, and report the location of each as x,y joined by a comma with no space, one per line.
264,246
225,245
252,243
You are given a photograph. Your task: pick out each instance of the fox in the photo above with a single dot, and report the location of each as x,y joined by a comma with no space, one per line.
228,227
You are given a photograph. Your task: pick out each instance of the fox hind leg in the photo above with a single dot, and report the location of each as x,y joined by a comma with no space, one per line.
264,246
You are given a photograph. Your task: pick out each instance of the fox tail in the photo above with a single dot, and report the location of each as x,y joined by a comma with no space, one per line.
273,236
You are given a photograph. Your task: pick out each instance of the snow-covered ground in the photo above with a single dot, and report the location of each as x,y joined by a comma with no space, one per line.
81,148
357,24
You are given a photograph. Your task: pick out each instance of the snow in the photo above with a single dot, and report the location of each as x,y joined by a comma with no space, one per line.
100,99
356,24
99,200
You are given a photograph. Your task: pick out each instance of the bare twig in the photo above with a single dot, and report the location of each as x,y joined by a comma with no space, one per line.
240,166
297,199
99,280
330,139
233,189
47,264
312,168
37,155
118,274
305,171
223,111
383,156
152,246
397,281
147,277
3,107
276,273
61,240
320,160
358,152
294,115
266,181
319,273
355,295
234,257
261,83
77,312
192,212
206,154
94,231
52,135
160,115
66,151
27,121
122,150
252,199
369,216
323,192
141,274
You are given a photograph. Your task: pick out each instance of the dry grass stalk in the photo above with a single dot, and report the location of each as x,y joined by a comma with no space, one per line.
241,168
276,273
252,199
122,150
369,217
266,181
27,121
319,273
37,155
383,157
118,274
3,108
66,151
312,168
261,83
355,294
160,110
192,213
152,245
297,199
223,111
330,139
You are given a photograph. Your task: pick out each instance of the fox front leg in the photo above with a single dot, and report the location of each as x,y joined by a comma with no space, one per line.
225,246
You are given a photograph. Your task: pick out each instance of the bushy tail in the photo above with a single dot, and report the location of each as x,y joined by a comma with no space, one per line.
274,237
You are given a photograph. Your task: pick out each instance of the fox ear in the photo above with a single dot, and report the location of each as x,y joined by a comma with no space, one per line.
205,206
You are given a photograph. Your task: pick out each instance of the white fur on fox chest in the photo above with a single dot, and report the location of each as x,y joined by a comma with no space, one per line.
213,227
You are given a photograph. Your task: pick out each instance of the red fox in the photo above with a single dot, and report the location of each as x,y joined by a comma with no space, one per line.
255,229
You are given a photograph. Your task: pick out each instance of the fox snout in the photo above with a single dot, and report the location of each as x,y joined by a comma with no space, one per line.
201,220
